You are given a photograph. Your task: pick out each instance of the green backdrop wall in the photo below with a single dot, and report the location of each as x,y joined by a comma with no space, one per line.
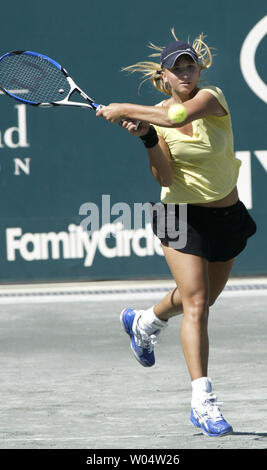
55,160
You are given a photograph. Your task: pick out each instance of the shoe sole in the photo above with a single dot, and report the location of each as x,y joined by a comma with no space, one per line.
128,333
204,431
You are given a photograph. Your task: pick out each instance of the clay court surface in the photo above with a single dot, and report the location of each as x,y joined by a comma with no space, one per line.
70,381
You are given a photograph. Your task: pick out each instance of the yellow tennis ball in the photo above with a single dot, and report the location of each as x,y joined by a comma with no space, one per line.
177,113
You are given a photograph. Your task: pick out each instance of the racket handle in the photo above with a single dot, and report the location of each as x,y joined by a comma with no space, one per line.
137,124
134,120
99,106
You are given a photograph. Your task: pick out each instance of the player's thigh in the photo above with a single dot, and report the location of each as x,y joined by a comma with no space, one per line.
218,273
190,273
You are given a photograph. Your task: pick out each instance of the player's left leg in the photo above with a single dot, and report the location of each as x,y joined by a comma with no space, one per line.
205,408
155,319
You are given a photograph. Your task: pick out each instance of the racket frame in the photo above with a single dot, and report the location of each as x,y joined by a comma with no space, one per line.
65,102
88,104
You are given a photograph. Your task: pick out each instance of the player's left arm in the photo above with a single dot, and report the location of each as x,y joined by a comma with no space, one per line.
202,105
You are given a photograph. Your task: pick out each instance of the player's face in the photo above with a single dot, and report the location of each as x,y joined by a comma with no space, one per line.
183,77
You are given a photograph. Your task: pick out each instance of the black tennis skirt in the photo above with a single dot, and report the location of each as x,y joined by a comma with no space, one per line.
217,234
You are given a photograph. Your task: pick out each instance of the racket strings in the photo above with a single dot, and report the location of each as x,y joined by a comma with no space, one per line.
33,78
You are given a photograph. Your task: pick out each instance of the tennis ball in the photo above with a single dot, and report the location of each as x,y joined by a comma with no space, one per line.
177,113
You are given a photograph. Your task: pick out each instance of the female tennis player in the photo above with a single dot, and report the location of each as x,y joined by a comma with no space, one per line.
194,163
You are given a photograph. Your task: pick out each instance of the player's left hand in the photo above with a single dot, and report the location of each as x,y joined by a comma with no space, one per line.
130,126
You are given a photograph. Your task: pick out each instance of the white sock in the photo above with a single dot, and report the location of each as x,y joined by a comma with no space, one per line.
200,387
150,323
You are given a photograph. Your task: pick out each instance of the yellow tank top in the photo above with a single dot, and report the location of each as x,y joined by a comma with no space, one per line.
205,167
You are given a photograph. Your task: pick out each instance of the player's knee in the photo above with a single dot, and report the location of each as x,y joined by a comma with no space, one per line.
197,308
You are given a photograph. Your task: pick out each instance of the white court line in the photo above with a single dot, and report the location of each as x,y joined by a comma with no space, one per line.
101,291
72,297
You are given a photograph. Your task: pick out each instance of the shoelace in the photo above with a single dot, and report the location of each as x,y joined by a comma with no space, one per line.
145,341
212,407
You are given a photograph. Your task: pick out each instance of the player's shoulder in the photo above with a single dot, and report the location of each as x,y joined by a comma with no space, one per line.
216,93
162,103
214,90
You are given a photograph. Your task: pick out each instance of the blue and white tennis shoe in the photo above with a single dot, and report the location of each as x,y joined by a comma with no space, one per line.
142,344
207,416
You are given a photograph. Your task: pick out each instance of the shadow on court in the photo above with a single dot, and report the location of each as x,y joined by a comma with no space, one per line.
69,380
259,434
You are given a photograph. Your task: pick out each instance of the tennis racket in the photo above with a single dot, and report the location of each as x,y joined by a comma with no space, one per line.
35,79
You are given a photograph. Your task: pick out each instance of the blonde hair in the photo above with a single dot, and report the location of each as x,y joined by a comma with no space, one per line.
152,70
